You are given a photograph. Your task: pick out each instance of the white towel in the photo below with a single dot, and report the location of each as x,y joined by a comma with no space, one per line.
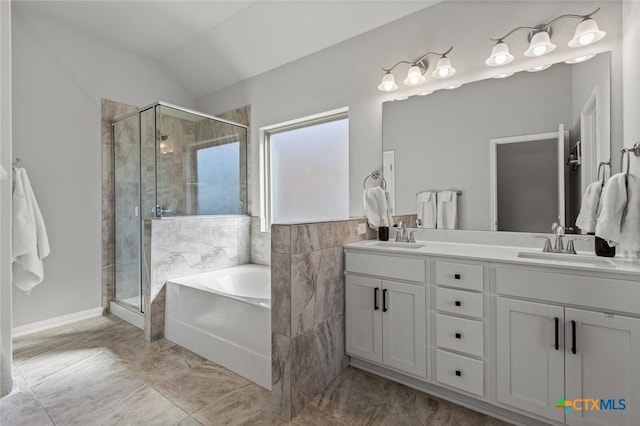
29,236
426,202
586,220
447,210
612,203
630,228
376,207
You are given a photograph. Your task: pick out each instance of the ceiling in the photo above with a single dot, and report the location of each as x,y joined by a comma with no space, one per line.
208,45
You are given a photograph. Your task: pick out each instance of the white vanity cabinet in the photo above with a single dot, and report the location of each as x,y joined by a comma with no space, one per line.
549,351
386,318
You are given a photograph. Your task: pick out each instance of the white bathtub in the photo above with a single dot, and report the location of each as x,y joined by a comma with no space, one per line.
224,316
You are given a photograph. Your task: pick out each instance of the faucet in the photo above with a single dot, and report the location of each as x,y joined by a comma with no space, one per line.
559,230
401,233
559,245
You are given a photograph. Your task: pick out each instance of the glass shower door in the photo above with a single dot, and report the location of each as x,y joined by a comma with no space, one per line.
127,250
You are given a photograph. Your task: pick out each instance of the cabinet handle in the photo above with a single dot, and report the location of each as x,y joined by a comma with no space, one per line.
458,303
458,373
557,345
574,348
458,335
375,299
384,300
457,276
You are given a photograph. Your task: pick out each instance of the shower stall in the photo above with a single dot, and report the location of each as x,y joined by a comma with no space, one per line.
169,162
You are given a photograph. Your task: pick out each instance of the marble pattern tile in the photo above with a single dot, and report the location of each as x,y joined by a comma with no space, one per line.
260,244
280,239
322,235
281,294
281,375
21,407
247,405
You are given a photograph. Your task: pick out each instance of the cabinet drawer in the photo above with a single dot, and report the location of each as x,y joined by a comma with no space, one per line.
461,275
459,334
459,302
401,268
599,293
460,372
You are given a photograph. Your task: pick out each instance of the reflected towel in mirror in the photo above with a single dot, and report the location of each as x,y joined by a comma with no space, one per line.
447,210
426,202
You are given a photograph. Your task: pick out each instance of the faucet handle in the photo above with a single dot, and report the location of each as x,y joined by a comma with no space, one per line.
557,229
412,238
547,243
570,248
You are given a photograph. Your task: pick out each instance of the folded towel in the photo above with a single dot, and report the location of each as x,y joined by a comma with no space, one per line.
630,228
612,208
426,202
29,236
586,220
376,207
447,210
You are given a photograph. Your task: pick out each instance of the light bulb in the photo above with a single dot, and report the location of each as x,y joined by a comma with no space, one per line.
388,83
414,76
539,50
586,39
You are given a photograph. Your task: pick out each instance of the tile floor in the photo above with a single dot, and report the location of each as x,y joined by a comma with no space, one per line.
101,371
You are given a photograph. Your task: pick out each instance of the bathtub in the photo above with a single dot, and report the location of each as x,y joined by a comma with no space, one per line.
224,316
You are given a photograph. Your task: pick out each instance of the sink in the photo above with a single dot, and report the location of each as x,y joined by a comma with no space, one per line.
574,259
393,244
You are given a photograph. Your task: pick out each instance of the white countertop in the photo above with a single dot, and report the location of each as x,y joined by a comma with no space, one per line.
583,261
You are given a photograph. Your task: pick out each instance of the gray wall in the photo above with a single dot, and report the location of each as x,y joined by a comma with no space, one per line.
442,140
631,65
59,77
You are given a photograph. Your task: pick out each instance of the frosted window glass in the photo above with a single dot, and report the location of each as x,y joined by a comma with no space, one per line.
219,180
310,173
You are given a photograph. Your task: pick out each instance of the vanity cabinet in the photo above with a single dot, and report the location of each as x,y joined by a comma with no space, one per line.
549,351
386,319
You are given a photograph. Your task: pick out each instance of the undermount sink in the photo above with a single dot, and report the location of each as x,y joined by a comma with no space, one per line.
575,259
393,244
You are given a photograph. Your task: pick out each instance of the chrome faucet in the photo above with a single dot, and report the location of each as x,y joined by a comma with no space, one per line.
401,233
559,231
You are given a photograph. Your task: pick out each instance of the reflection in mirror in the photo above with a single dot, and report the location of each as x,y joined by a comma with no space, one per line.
444,141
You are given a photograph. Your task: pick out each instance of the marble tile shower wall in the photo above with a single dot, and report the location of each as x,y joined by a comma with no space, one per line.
307,309
110,111
186,246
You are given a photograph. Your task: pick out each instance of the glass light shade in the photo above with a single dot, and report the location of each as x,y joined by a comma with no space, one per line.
428,92
587,32
453,86
505,75
388,83
443,69
414,76
580,59
499,55
540,45
539,68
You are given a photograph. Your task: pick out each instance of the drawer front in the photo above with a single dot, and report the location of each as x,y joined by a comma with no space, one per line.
459,334
599,293
401,268
461,275
460,372
459,302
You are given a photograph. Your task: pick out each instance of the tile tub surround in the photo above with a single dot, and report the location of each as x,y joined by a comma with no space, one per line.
184,246
137,382
307,309
260,244
110,111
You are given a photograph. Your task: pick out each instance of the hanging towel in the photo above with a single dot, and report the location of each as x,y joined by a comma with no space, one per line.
29,236
630,228
447,210
612,204
586,220
3,173
426,202
376,206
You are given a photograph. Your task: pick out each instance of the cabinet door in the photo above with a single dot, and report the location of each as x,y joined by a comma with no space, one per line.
605,366
404,327
530,356
364,317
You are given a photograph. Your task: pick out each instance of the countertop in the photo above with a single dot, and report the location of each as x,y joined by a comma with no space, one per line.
583,261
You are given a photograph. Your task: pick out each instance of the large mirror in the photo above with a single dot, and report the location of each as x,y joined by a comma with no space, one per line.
519,151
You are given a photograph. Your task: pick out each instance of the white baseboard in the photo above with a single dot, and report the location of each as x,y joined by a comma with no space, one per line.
55,322
132,317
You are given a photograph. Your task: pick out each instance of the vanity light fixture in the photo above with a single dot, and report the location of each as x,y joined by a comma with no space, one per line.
539,68
505,75
417,70
587,32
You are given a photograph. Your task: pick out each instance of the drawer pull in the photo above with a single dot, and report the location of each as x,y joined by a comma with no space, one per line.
458,335
457,276
384,300
557,333
458,373
574,348
458,303
375,299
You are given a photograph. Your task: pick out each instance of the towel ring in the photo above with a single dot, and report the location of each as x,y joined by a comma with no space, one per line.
636,151
18,159
374,175
602,166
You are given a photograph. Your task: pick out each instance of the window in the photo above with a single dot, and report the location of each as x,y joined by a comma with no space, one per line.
306,170
218,178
